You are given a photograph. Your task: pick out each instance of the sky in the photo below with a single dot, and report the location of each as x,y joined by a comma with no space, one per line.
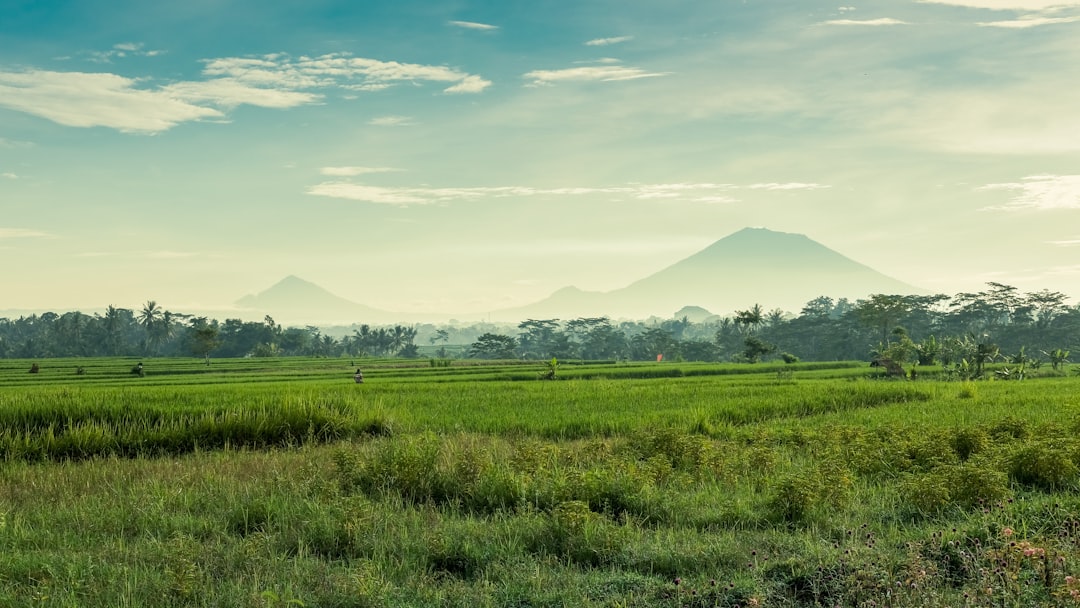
467,155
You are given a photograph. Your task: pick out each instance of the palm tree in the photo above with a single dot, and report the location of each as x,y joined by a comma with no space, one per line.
149,318
750,319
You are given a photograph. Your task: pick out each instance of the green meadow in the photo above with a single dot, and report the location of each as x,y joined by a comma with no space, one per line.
281,482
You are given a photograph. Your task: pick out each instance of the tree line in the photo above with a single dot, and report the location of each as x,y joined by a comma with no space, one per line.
998,323
155,332
971,327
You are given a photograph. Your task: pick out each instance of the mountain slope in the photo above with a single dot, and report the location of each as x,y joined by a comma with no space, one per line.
294,300
753,265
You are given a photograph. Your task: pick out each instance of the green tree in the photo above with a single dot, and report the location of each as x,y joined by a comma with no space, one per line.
204,338
751,319
149,318
1058,357
755,348
493,346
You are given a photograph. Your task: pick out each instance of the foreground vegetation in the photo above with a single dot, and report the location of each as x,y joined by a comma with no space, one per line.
274,482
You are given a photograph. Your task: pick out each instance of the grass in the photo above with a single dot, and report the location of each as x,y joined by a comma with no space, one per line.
280,482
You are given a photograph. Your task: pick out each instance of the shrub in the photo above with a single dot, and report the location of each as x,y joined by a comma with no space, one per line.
969,441
1042,465
575,533
964,485
799,495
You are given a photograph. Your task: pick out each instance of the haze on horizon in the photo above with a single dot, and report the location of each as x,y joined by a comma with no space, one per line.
471,156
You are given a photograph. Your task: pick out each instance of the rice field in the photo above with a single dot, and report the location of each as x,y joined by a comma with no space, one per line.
281,482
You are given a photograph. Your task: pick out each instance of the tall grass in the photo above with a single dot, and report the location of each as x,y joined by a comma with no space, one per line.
422,488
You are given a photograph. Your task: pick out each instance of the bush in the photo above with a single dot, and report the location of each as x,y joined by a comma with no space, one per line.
799,495
969,441
575,533
964,485
1042,465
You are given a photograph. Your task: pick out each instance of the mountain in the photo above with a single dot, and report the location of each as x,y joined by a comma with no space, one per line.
294,300
753,265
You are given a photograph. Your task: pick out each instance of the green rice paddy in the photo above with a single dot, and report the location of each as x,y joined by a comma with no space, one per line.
281,482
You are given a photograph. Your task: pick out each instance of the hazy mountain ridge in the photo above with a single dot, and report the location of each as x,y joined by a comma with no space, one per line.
753,265
294,300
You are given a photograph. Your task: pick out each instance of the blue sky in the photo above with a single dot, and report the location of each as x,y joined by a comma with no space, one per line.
467,156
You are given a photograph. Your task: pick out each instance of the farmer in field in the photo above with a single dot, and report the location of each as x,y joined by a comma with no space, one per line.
138,370
358,376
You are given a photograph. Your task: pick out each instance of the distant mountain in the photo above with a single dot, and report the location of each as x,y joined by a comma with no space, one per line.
694,314
753,265
294,300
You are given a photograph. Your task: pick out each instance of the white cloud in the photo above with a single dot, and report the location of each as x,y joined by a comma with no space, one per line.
608,41
369,194
602,73
472,25
1040,192
1008,5
708,193
870,22
391,121
1027,21
469,84
9,175
122,49
81,99
340,69
787,186
78,99
1066,243
845,9
22,233
229,93
354,171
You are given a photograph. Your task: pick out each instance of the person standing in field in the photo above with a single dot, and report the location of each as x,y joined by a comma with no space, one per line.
358,376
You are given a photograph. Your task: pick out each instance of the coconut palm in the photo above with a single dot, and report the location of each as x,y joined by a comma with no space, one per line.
750,319
149,318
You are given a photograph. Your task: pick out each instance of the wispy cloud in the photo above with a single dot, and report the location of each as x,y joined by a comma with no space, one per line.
1027,21
869,22
469,84
1008,5
1066,243
608,41
472,25
1040,192
231,92
10,143
705,193
23,233
391,121
9,175
338,69
165,254
80,99
121,50
787,186
354,171
598,73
